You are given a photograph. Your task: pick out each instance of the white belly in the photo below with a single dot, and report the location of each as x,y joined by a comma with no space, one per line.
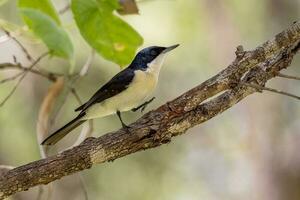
139,90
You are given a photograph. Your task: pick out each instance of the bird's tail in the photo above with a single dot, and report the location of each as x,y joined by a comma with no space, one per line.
62,132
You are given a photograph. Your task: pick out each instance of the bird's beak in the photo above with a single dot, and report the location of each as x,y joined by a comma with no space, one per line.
170,48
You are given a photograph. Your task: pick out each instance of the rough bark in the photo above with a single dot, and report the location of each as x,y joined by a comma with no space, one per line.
157,127
4,169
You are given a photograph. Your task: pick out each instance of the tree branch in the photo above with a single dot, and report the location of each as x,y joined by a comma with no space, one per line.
49,75
28,56
174,118
288,76
23,76
4,169
261,88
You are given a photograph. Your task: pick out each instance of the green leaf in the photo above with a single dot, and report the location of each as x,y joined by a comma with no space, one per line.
44,6
55,37
113,38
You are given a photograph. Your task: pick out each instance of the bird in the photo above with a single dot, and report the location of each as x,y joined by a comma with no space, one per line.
123,92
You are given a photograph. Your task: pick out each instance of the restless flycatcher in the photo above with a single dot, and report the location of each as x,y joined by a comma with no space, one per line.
124,92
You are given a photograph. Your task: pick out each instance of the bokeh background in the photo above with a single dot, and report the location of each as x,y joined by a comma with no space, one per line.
250,152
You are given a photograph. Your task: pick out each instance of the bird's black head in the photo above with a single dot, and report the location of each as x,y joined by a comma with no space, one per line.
147,55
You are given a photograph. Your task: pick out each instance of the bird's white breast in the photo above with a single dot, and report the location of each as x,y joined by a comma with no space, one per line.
141,87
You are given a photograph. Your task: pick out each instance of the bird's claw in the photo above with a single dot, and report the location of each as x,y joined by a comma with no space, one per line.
143,106
135,109
125,126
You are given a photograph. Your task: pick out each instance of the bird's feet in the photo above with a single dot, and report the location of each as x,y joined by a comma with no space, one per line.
123,124
142,106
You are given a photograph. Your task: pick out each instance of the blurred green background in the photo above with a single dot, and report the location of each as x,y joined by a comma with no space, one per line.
250,152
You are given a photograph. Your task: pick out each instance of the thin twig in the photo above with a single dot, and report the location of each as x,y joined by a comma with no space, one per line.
288,76
11,78
260,88
87,64
75,94
49,75
22,77
28,56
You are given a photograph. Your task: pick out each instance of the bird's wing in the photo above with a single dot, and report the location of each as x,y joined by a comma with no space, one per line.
113,87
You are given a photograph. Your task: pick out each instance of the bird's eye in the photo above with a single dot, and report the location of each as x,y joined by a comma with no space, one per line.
153,53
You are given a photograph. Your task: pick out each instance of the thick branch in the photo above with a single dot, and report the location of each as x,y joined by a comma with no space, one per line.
4,169
171,119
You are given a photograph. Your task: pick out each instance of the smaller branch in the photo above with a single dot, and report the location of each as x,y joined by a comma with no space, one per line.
49,75
11,65
261,88
288,76
22,77
28,56
84,70
11,78
75,94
